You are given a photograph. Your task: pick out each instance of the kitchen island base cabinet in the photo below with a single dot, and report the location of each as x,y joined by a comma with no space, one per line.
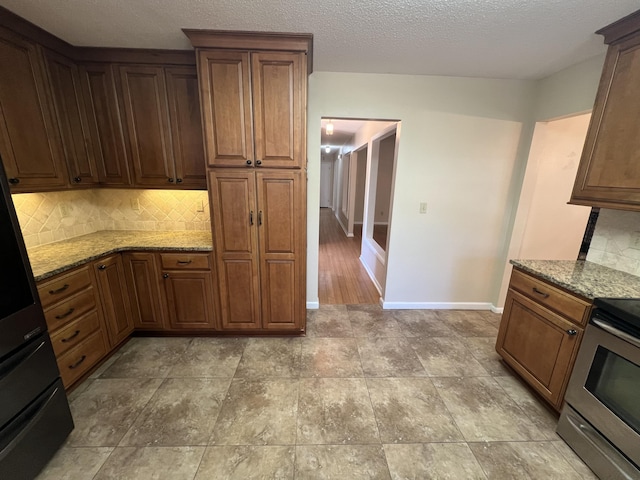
114,298
540,332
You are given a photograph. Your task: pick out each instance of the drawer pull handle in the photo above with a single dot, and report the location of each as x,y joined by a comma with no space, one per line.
542,294
65,340
77,364
572,332
184,262
102,267
59,290
65,314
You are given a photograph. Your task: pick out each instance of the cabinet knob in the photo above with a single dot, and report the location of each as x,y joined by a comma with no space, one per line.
178,180
165,275
248,162
170,180
572,332
101,267
258,162
14,181
77,179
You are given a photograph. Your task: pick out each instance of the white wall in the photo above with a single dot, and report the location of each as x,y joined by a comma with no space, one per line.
459,144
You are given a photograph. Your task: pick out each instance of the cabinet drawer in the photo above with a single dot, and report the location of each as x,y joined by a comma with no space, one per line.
77,361
70,309
61,287
553,298
74,333
179,261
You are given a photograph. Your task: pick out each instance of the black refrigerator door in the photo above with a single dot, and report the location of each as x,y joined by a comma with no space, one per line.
21,316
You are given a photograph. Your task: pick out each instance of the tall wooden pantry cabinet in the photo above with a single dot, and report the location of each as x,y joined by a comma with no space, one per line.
253,94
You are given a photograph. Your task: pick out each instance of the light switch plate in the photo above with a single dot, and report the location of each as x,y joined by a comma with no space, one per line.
423,207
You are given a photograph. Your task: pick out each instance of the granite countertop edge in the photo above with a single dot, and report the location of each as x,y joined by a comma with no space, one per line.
42,273
586,279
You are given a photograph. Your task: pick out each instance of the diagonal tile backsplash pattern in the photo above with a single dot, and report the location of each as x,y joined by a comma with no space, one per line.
53,216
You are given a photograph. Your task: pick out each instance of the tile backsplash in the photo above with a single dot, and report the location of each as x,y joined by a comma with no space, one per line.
616,241
54,216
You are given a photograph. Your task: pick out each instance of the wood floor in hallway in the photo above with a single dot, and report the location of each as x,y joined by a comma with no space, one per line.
343,280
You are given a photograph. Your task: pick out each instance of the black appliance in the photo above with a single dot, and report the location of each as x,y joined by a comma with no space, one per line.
34,413
601,417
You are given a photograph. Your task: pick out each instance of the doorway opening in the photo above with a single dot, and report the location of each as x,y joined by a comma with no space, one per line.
356,190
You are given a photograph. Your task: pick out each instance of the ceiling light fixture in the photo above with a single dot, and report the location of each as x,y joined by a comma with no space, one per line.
327,149
328,129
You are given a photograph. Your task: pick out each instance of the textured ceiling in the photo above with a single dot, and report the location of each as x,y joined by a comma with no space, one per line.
481,38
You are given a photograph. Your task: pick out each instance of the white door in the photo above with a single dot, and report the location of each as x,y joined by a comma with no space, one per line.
326,183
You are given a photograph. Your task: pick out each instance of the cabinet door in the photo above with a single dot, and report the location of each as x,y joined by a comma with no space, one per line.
29,138
279,115
226,102
538,344
143,95
190,300
115,299
609,171
105,126
72,119
186,127
145,290
235,220
281,227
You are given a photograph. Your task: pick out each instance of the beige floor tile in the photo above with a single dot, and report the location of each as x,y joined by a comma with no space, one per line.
330,357
389,357
182,411
157,463
75,463
409,410
372,321
258,412
329,321
468,323
210,357
523,460
446,357
147,358
534,408
422,323
329,462
483,350
247,463
335,411
483,412
104,412
270,357
453,461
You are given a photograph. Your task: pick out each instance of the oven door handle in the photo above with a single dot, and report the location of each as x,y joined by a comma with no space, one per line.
614,331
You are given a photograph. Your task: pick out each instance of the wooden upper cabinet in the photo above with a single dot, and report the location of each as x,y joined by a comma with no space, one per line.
30,142
143,95
254,108
71,114
225,95
609,171
105,125
279,93
186,126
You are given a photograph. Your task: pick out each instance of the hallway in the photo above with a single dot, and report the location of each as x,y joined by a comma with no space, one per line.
342,278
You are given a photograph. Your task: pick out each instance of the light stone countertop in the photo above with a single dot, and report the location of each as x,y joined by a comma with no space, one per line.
53,258
584,278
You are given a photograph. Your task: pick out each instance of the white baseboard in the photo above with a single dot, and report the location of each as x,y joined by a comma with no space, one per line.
436,306
313,305
495,309
371,276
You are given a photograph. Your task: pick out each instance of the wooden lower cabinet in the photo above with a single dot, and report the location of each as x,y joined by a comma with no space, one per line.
538,343
114,298
190,300
145,290
259,228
